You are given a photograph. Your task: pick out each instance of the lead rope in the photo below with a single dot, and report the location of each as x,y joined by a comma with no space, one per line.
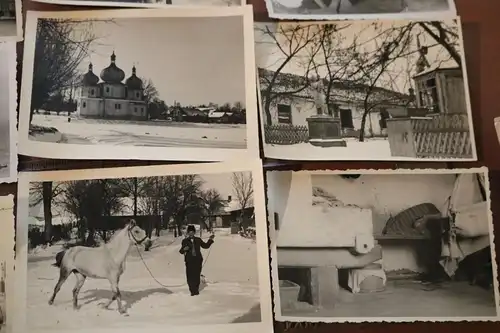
156,280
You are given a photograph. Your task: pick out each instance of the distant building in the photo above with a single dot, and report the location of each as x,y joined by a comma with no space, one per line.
346,102
110,98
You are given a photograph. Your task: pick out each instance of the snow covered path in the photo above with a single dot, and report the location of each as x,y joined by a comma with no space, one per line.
231,294
145,133
371,149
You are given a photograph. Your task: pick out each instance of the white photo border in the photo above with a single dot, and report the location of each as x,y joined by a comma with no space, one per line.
452,10
12,87
103,151
7,247
275,152
255,167
311,319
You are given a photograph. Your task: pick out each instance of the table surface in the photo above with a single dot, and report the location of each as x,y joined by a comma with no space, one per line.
481,28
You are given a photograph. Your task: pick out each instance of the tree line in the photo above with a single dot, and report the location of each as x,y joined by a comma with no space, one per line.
178,199
363,59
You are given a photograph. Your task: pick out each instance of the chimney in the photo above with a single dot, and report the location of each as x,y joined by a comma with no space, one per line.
229,198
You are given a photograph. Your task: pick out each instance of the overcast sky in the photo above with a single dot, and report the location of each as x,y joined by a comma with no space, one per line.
190,60
269,56
222,182
4,97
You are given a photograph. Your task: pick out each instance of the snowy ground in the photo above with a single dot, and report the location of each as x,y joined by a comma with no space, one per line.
371,149
4,163
8,28
231,293
145,133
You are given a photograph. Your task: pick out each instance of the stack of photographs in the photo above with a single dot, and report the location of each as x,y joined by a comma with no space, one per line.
224,246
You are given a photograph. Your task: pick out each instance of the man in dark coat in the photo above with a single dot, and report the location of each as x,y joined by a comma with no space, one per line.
191,249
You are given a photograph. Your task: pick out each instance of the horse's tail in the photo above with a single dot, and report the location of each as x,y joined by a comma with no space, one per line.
59,258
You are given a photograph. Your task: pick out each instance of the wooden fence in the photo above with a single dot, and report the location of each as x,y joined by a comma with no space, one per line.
439,136
284,134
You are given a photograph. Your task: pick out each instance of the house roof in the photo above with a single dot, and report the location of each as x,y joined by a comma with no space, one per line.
436,68
344,91
233,206
218,114
193,112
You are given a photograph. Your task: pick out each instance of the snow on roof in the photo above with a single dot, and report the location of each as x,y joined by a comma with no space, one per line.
206,109
218,114
232,206
435,68
343,91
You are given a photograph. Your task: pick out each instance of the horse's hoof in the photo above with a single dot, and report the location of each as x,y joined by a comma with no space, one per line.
76,307
51,302
123,312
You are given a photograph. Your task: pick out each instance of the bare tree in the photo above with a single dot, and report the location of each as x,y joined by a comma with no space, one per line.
212,203
45,193
332,58
60,47
377,60
89,201
291,40
149,91
243,190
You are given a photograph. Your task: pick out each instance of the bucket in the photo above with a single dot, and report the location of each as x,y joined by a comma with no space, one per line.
289,293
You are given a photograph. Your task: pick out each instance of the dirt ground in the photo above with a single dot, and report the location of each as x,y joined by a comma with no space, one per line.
408,298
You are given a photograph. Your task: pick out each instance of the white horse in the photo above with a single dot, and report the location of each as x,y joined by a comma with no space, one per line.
104,262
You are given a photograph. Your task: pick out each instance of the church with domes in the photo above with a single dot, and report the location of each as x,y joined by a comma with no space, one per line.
108,97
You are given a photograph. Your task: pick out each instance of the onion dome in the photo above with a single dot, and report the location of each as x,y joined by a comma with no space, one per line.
90,79
112,74
133,82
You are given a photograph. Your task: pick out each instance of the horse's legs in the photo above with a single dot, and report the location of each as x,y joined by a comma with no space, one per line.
116,294
80,280
63,275
113,298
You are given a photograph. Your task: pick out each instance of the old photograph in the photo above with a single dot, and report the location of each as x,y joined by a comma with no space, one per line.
11,22
364,90
147,3
349,246
358,9
8,119
178,248
6,262
95,88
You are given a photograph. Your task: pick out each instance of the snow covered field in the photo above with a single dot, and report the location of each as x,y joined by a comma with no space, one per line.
230,295
145,133
8,28
4,163
371,149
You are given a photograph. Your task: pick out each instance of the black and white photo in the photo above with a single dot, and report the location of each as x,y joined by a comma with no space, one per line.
358,9
6,262
147,3
178,248
8,119
94,87
364,90
11,22
351,246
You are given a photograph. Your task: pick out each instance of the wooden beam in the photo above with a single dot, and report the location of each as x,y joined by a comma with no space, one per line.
326,257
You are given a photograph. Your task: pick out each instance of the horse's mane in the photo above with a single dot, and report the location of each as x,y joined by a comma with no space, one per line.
118,232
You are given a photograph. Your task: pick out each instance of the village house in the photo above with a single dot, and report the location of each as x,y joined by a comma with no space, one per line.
442,129
345,102
111,98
